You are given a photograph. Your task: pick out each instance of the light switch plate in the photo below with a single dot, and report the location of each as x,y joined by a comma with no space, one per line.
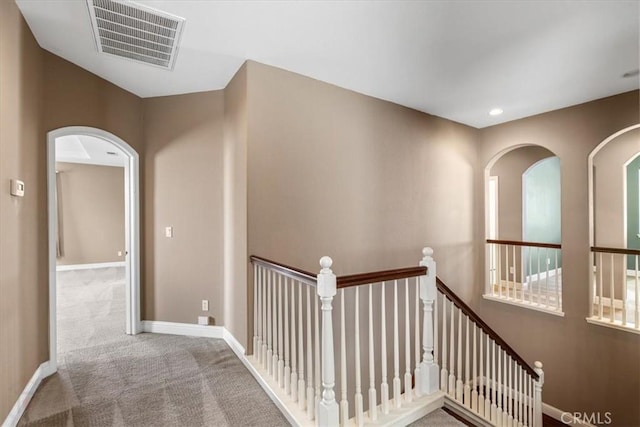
17,188
168,231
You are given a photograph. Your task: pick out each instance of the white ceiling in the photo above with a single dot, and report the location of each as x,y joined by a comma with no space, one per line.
454,59
89,150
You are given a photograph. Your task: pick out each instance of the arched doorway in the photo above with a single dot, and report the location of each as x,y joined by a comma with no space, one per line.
131,229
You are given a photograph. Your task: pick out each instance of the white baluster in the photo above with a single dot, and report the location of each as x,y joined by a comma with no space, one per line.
508,270
310,391
623,274
538,281
474,382
257,350
397,385
452,376
444,373
494,399
637,294
482,378
373,405
384,387
328,413
301,383
255,309
500,399
280,336
467,384
408,391
546,277
504,386
530,279
601,294
265,327
416,338
459,385
510,394
513,275
537,404
612,297
557,284
499,276
269,365
317,361
518,391
274,324
428,293
287,368
487,384
358,395
344,402
294,363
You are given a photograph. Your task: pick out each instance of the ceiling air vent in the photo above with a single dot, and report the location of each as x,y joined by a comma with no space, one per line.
136,32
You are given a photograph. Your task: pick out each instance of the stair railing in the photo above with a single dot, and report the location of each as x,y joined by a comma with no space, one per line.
294,348
525,273
480,371
614,297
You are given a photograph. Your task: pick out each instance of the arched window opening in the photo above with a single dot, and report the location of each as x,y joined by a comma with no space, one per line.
614,182
524,260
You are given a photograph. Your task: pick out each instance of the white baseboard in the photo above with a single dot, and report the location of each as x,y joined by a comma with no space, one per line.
187,329
543,275
563,416
89,266
21,404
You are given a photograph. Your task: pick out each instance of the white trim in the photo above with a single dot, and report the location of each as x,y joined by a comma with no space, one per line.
556,413
132,229
25,397
115,163
69,267
543,275
526,304
186,329
617,324
466,413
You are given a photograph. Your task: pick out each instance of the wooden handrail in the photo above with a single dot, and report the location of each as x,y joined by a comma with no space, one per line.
615,250
486,328
285,270
379,276
530,244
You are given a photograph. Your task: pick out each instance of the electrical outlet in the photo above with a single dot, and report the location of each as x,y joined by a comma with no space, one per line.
548,261
205,305
204,320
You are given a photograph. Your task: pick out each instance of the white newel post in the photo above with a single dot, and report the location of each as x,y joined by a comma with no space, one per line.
537,395
429,370
328,414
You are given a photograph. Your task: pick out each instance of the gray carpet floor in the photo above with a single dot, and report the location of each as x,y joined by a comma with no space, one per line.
106,378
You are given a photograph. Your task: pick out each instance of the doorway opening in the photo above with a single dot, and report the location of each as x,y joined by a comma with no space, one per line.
94,248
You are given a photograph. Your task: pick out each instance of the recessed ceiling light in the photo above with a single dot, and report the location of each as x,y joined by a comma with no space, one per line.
495,112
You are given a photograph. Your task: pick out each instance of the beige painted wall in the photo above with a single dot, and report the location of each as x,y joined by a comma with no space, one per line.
367,182
91,200
23,222
184,190
609,173
235,208
587,367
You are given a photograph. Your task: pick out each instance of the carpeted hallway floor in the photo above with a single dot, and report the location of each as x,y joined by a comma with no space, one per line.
107,378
